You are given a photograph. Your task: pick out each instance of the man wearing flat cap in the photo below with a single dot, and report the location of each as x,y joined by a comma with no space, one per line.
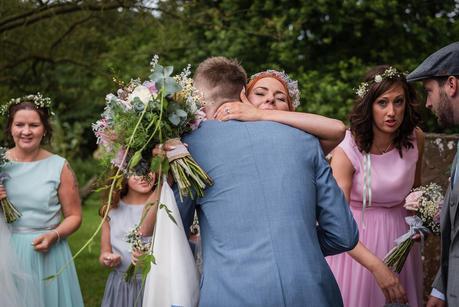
440,75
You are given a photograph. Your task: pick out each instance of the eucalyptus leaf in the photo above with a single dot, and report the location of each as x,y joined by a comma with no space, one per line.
171,86
174,119
181,113
168,71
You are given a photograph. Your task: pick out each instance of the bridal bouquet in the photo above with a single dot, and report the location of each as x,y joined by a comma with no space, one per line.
10,212
425,202
143,114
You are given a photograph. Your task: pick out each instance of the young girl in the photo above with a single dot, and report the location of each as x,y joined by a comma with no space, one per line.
115,253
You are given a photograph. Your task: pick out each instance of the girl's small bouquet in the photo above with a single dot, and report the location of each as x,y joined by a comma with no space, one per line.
144,114
425,202
142,245
10,212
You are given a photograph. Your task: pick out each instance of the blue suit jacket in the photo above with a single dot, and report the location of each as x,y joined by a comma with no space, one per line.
272,215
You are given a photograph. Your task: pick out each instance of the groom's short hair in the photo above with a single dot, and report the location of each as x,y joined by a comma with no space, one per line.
223,78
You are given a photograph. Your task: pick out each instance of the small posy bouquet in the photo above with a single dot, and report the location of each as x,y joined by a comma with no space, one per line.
425,202
143,114
10,212
139,243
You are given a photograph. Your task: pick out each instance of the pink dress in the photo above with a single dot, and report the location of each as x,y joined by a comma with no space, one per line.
392,178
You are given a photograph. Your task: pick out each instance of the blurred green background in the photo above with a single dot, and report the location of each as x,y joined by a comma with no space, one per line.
71,50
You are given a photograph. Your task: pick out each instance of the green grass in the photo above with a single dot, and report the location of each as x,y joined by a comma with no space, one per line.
91,274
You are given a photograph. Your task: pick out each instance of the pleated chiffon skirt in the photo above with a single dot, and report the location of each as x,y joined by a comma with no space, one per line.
120,293
64,290
357,285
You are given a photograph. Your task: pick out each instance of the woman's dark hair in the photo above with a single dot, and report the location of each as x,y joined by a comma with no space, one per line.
44,114
361,116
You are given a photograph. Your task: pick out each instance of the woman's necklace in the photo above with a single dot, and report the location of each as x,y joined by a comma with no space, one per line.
385,150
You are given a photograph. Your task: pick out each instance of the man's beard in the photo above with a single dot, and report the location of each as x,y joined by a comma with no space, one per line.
445,112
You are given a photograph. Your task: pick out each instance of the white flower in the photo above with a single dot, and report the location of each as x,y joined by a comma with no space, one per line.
378,78
141,92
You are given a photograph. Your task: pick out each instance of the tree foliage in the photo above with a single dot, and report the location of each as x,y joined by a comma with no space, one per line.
70,50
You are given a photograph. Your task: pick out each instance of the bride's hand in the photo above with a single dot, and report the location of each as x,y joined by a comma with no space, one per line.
243,111
238,111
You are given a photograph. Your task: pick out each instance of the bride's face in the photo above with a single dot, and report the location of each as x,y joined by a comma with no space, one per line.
269,94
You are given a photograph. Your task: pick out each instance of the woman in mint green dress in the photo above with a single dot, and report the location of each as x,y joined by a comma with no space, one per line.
44,189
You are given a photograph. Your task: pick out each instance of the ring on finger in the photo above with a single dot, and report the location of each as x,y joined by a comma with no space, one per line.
227,111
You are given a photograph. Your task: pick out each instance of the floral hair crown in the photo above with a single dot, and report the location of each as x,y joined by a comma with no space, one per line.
292,85
389,73
38,100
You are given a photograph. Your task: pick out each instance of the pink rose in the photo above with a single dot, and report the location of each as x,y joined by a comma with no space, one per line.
412,201
151,86
199,116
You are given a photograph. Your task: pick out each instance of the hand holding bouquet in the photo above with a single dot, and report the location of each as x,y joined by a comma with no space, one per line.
425,202
143,114
10,212
141,245
140,115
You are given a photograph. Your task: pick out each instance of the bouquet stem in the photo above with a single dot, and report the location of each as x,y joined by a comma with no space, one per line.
190,176
10,212
396,257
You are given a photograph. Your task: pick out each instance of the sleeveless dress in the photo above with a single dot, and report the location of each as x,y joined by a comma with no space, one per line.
117,291
392,178
32,188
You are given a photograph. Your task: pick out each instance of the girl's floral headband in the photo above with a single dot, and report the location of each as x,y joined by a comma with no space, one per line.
292,85
389,73
38,100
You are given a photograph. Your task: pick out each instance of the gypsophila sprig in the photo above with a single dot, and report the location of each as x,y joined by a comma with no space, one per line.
426,202
389,73
38,100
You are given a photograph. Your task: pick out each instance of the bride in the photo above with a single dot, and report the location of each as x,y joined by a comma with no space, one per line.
18,289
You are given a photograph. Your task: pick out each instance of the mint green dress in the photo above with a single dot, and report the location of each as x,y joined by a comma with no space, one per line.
33,189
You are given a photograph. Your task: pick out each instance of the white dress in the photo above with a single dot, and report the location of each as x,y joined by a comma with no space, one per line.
13,279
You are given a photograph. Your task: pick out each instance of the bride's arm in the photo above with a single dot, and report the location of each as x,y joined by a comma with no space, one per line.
329,131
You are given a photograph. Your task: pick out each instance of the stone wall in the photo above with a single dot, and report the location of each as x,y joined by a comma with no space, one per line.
439,153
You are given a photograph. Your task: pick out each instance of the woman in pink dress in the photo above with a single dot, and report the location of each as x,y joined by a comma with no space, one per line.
376,165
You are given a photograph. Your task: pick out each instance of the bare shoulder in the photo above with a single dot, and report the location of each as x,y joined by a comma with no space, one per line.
68,175
340,160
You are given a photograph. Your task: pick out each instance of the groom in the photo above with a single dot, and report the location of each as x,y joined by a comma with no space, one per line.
273,212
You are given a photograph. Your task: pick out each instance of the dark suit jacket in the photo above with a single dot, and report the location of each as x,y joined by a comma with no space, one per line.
447,279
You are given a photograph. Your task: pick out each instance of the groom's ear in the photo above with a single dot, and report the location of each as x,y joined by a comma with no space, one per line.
452,86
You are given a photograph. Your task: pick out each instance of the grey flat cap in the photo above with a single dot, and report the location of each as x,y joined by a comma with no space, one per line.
442,63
